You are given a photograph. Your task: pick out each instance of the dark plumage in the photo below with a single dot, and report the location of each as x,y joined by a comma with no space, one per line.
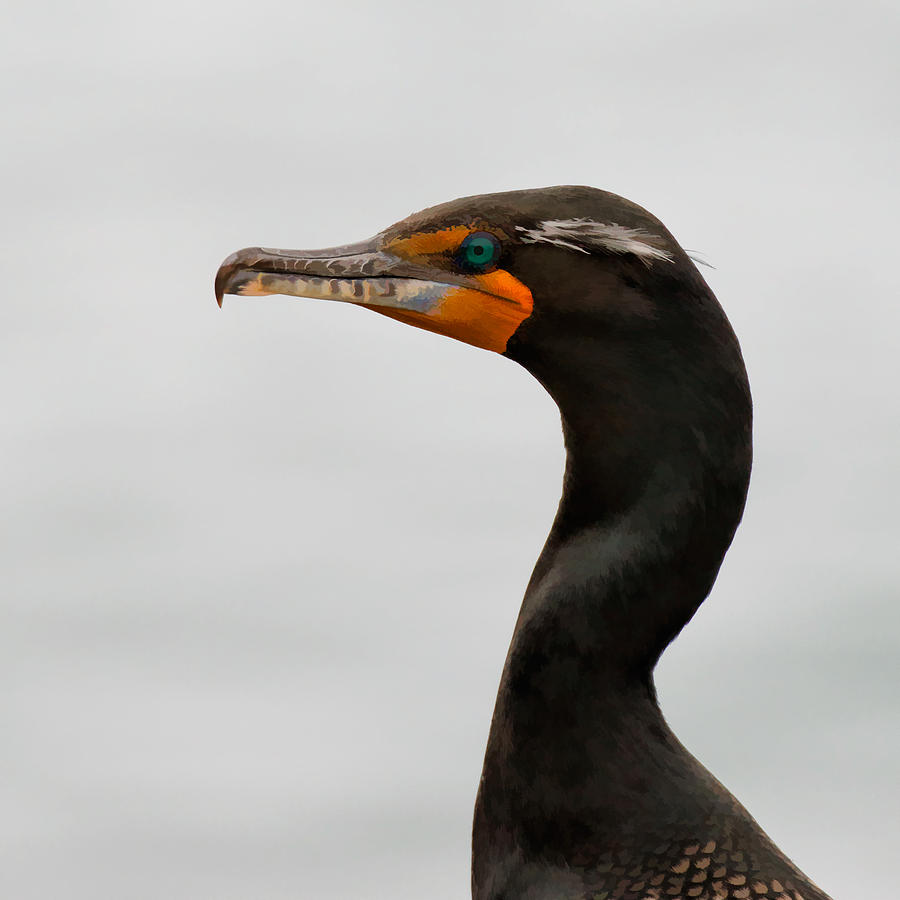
586,793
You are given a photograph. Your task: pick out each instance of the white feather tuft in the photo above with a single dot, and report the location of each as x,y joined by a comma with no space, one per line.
586,235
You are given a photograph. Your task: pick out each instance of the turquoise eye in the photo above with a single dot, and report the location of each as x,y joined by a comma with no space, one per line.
478,252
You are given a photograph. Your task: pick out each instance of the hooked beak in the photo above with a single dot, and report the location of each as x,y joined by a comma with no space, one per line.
483,310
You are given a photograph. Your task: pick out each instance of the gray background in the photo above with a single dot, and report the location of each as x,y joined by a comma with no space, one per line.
260,566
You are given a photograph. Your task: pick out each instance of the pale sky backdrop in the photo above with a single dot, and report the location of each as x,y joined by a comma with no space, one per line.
260,566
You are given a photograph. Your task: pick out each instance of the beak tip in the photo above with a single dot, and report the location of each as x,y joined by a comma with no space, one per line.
220,289
243,259
221,279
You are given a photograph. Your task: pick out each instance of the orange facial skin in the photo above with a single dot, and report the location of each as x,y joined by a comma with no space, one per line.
420,245
486,316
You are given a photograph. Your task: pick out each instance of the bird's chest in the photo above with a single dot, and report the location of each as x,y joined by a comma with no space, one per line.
671,870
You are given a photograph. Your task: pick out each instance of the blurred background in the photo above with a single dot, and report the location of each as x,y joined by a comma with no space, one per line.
260,566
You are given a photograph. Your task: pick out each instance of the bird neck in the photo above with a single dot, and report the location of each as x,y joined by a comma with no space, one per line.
579,753
653,491
658,454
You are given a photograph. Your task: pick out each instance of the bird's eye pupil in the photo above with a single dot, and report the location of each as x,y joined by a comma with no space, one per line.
478,251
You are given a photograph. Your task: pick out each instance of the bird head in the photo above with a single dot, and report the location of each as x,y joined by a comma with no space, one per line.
477,268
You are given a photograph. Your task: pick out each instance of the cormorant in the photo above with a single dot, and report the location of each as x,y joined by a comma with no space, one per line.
585,792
